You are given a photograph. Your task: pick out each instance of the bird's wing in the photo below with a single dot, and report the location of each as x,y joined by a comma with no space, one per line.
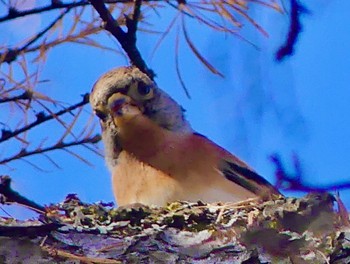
242,175
236,170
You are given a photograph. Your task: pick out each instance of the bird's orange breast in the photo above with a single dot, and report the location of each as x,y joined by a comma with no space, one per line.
159,166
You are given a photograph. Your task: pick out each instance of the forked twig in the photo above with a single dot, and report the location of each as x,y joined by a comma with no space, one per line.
6,135
126,39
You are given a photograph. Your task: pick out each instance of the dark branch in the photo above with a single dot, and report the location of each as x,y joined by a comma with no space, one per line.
132,24
295,182
13,13
6,135
126,39
61,145
11,196
295,28
24,96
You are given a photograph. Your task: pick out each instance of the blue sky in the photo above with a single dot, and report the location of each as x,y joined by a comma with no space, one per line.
261,107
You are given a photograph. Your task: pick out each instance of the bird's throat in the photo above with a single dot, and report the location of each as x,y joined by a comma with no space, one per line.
139,135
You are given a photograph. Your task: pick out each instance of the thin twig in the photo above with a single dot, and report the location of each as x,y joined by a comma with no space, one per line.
74,38
177,66
195,51
6,135
12,54
40,34
40,10
67,255
61,145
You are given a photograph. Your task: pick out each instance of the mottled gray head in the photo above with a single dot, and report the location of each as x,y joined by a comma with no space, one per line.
155,103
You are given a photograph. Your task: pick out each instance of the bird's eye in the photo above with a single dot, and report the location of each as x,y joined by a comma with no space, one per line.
143,89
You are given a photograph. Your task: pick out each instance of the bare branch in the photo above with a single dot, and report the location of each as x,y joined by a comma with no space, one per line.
132,24
60,145
13,13
40,34
24,96
295,28
12,54
11,196
127,40
6,135
295,182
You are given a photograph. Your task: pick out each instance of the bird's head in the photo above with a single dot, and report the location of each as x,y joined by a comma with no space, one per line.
125,92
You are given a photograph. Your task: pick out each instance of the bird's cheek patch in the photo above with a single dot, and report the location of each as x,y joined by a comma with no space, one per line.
116,106
116,103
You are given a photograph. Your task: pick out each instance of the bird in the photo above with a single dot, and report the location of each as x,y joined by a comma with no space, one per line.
154,155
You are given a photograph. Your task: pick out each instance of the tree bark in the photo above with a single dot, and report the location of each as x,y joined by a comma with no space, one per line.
283,230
